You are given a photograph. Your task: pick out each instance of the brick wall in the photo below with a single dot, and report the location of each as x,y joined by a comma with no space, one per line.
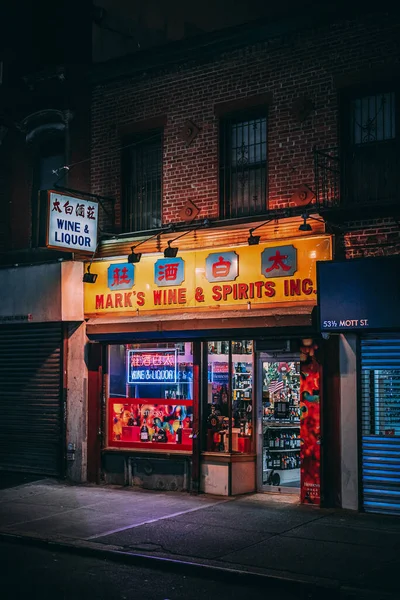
376,237
307,63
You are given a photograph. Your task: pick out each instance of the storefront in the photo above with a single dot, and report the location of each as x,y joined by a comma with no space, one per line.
42,369
211,374
359,301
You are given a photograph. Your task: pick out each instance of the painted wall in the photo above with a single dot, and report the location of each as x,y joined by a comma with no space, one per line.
348,421
76,397
48,292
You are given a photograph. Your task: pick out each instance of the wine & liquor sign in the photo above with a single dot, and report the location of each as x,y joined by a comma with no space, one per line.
151,366
67,222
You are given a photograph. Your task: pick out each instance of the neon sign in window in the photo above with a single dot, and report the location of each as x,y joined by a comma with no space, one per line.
151,366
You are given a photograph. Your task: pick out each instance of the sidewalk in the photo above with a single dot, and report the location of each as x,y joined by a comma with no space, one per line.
263,537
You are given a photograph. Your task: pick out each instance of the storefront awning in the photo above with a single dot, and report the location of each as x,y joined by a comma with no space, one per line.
189,325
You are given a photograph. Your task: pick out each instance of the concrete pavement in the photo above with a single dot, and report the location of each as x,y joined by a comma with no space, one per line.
268,538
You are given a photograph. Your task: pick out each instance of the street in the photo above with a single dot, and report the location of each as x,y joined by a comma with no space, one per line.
30,572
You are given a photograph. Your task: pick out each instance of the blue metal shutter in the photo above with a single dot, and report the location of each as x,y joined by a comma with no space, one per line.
31,438
380,390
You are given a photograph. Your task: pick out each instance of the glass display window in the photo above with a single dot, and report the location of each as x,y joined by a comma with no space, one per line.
150,401
281,423
229,408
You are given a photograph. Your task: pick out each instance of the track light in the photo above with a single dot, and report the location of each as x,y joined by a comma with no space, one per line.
254,240
89,277
134,257
170,252
305,226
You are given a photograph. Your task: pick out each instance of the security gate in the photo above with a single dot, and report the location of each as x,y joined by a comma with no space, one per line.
380,389
31,437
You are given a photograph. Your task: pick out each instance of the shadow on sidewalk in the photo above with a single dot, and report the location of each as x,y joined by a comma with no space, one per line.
10,479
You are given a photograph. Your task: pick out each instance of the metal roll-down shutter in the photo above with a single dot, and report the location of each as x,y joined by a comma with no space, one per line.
380,390
31,398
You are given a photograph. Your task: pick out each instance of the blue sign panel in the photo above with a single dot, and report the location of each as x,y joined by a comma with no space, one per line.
169,271
121,276
151,366
359,294
222,266
279,261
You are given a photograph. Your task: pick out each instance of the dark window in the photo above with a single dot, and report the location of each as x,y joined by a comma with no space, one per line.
141,174
48,163
373,119
243,166
370,157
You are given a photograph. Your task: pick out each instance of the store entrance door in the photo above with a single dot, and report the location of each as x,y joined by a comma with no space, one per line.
280,423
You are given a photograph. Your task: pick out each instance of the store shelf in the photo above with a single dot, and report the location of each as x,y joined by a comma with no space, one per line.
281,450
283,426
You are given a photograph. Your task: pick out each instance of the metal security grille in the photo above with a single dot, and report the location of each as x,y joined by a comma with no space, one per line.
373,118
380,387
30,398
243,166
142,168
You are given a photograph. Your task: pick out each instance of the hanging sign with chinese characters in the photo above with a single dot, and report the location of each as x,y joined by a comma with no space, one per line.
68,223
268,273
151,366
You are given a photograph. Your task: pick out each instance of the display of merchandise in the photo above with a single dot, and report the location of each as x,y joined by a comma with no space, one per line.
281,423
229,416
242,395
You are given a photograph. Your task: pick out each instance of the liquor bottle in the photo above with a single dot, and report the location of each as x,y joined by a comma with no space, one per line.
224,395
282,441
178,435
277,442
271,442
144,432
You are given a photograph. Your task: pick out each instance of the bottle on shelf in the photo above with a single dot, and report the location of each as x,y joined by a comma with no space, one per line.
144,432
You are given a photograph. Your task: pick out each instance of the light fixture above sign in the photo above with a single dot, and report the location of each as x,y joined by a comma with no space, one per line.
67,222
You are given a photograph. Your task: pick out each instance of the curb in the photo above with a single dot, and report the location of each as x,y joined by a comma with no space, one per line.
303,589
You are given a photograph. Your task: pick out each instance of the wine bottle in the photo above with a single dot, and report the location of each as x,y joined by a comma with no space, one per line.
144,432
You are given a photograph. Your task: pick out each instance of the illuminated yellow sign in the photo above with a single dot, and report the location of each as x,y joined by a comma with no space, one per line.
268,273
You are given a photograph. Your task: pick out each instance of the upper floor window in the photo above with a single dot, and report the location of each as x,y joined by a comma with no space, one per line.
373,118
48,162
243,165
370,152
141,174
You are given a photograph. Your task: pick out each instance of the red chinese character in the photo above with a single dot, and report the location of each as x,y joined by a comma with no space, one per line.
68,208
168,272
157,360
90,212
80,210
169,360
277,262
56,206
120,276
147,360
221,268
